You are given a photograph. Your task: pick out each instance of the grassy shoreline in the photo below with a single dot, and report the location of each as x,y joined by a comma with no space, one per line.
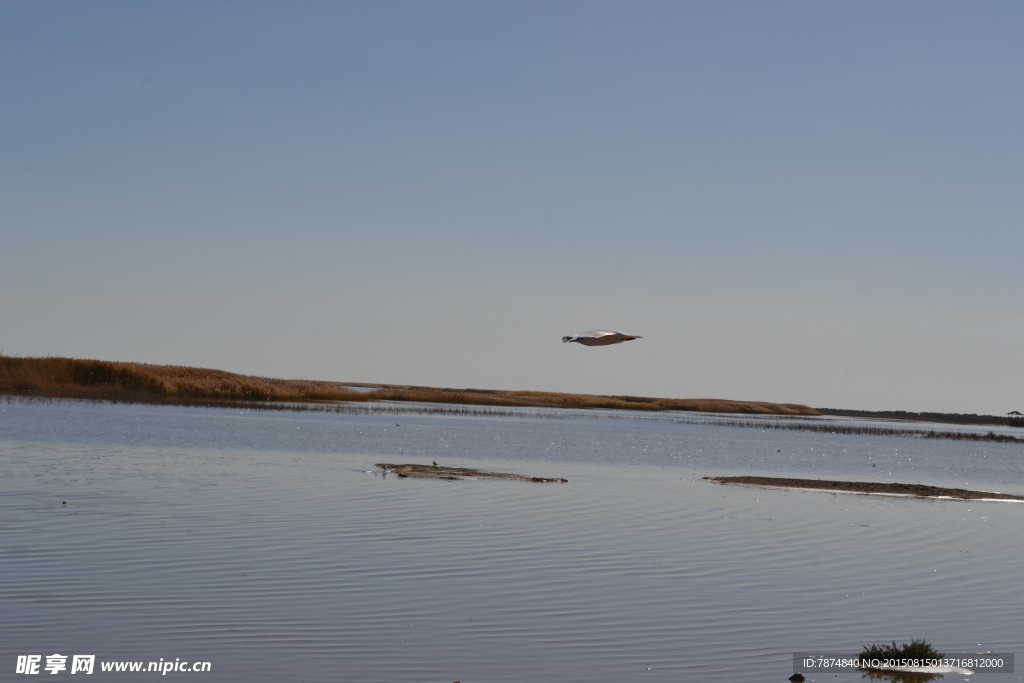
110,380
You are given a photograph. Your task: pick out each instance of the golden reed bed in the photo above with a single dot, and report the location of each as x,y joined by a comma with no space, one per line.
77,378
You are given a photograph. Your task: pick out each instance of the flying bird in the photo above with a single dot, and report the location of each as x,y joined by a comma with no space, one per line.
599,338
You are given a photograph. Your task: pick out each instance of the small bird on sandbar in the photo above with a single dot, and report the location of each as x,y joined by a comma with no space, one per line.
435,464
599,338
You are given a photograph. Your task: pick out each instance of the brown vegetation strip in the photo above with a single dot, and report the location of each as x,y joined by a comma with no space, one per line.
865,487
58,378
75,378
454,473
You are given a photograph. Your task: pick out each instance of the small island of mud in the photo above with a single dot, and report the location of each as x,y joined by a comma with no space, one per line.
457,473
866,487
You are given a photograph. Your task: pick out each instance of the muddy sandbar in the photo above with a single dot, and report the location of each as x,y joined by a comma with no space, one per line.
868,487
455,473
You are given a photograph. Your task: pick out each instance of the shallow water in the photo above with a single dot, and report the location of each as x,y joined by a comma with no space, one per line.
266,544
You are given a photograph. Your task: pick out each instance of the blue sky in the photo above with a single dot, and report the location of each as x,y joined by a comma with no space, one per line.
804,202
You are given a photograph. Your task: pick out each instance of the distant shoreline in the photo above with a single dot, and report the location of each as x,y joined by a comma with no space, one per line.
944,418
866,487
181,385
139,382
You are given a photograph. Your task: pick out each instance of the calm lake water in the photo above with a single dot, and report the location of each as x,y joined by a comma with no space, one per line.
268,544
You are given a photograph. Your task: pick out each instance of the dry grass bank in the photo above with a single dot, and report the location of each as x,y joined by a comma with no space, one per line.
75,378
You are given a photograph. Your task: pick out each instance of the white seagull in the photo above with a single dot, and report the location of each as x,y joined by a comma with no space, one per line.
599,338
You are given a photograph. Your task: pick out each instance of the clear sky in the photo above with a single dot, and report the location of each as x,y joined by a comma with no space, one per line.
811,202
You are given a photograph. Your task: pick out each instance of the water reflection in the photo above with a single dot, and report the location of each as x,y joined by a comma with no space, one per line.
256,541
899,676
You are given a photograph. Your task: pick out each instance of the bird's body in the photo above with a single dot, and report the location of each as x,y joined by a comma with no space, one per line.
599,338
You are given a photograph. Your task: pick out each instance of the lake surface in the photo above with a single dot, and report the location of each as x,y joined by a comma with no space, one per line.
268,544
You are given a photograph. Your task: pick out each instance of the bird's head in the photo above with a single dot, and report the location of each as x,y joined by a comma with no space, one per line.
566,339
